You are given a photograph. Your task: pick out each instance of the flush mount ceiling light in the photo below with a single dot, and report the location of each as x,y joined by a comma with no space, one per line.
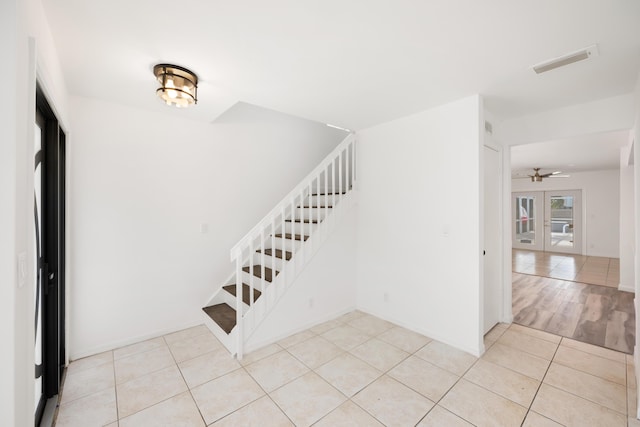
178,86
570,58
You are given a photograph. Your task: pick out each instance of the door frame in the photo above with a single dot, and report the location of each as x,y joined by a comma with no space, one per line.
489,321
53,257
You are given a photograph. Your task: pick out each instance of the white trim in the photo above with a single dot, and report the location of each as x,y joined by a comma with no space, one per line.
427,333
260,344
507,305
133,340
626,288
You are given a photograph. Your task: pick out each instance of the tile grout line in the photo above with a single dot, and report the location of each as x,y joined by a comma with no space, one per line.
460,377
266,393
542,382
161,401
115,388
185,382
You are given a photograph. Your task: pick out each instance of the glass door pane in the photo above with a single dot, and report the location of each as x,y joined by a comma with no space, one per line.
527,230
563,221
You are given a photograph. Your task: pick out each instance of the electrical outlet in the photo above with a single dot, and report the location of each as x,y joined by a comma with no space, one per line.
310,302
385,297
204,228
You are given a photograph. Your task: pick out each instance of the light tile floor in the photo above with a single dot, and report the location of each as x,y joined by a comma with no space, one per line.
354,370
578,268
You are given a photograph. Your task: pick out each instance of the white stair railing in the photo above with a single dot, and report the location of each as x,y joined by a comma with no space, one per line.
315,200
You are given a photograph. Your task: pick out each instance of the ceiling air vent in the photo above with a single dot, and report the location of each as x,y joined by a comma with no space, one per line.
570,58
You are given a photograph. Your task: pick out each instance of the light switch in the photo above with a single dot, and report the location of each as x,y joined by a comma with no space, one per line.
204,228
22,269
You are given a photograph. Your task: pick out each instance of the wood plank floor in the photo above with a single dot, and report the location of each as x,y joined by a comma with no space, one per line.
594,314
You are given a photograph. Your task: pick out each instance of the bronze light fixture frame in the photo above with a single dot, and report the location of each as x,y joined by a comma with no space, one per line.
178,85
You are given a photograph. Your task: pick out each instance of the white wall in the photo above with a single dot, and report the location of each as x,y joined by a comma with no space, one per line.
419,223
635,137
604,115
627,221
601,205
325,288
142,184
26,46
8,116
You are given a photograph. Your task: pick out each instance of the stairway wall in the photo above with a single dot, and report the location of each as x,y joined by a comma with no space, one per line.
142,186
419,219
324,289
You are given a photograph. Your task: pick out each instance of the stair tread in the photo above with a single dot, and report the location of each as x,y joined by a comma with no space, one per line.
319,207
290,236
306,221
328,194
246,292
257,271
269,252
223,315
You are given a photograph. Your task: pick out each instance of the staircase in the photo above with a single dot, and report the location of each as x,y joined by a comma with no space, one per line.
270,257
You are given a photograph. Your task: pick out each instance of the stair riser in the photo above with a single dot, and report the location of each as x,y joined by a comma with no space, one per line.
300,228
313,213
286,244
257,282
278,264
322,200
228,340
230,300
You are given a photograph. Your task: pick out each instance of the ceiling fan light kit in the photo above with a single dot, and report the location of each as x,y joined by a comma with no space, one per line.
538,177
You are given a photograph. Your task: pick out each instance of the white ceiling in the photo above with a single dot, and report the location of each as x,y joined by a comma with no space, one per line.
352,63
585,153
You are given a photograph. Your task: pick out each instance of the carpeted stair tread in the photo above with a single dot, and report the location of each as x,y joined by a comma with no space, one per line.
246,292
257,271
223,315
269,252
290,236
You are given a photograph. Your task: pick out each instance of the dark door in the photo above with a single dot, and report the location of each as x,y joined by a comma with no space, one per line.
49,178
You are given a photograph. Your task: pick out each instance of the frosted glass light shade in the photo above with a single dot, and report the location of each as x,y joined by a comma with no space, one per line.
178,86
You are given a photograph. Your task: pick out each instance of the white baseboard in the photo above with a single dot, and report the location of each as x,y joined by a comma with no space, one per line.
622,287
260,344
477,351
86,352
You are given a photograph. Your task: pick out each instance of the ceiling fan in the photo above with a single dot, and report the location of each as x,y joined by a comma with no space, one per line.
538,177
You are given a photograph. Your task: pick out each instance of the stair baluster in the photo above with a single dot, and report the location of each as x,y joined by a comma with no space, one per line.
310,210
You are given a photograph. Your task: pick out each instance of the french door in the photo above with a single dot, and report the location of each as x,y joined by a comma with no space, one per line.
548,221
49,214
